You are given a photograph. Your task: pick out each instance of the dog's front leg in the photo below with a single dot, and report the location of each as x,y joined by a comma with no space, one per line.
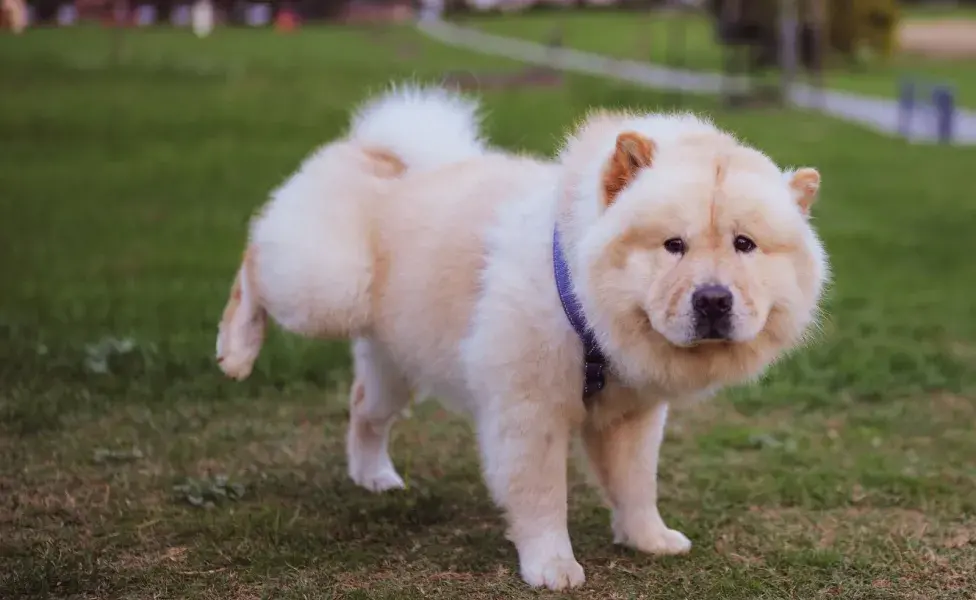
624,457
524,446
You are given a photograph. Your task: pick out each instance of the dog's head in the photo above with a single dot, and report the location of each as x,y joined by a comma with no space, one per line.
694,257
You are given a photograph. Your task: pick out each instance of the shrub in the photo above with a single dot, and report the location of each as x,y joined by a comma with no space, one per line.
850,26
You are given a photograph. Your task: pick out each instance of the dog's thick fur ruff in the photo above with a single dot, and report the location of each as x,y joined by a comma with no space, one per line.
434,253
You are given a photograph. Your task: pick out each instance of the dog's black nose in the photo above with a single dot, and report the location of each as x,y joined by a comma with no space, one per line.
713,312
712,301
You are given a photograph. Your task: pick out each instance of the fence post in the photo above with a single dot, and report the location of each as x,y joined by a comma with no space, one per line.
788,24
943,102
906,106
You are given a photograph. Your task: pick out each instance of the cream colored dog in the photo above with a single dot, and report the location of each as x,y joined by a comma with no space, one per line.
689,255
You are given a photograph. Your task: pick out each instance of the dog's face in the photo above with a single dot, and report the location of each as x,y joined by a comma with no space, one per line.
704,258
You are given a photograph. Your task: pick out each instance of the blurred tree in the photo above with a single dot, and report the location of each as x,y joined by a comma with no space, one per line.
850,26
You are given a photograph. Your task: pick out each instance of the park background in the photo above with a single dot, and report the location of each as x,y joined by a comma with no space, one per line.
132,155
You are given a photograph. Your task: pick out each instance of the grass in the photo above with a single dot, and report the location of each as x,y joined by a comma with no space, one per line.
657,37
130,468
937,10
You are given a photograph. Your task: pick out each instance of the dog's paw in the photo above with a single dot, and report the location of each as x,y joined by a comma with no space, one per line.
657,540
557,573
379,481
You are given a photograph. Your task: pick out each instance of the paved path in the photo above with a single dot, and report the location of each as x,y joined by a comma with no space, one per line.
878,114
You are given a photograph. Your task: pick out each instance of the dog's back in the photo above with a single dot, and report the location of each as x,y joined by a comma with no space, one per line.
320,249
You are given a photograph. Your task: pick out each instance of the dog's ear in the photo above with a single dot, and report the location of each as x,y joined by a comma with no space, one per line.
805,184
632,153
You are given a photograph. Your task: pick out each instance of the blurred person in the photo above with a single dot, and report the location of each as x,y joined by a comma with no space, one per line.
13,14
202,17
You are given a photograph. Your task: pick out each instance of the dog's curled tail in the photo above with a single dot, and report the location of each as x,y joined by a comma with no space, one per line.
423,127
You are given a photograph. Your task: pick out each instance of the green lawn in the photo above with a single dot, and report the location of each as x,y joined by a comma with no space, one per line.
940,11
652,37
125,187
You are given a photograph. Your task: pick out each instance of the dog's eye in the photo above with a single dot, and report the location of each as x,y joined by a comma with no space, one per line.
743,244
675,246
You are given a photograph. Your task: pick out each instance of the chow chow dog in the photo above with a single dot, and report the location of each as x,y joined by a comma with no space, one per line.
656,259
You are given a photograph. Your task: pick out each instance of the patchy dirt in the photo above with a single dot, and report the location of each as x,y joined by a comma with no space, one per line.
526,78
943,38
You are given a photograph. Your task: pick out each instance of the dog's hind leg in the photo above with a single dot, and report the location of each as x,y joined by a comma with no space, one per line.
379,395
241,330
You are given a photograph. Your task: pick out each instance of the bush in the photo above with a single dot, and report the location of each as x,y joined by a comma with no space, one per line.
863,23
850,26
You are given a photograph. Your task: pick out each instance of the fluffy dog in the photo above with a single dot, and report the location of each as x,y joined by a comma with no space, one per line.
657,259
